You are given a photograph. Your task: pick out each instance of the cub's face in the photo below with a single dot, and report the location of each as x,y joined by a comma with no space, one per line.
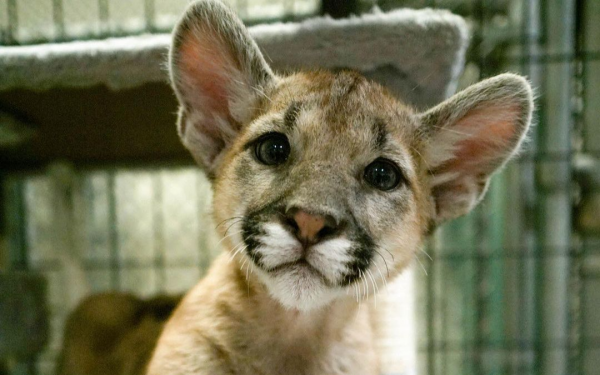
324,184
322,189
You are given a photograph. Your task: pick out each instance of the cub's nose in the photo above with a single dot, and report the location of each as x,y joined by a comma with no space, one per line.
310,228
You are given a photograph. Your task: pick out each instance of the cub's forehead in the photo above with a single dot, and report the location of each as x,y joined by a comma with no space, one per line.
342,101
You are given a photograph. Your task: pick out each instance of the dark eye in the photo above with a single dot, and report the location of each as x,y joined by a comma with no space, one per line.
383,174
272,149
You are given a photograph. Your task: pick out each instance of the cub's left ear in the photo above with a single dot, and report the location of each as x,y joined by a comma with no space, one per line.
469,136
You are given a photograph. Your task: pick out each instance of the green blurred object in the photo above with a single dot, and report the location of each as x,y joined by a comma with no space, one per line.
23,317
13,131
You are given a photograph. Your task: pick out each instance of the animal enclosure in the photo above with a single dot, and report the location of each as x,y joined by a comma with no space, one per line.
511,289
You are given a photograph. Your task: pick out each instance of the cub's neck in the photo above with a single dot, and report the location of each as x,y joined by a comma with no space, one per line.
235,312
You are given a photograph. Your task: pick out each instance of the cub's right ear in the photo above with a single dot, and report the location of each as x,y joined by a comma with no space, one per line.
218,74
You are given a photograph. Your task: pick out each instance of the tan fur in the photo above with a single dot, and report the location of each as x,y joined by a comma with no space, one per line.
239,329
271,305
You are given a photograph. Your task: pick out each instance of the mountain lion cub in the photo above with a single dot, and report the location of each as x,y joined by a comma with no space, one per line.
325,185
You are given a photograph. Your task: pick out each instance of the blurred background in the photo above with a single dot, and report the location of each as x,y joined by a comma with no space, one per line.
511,289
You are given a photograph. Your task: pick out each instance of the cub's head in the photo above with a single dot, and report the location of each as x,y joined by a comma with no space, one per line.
324,183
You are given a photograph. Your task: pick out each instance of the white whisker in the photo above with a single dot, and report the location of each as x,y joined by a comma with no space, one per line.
248,278
242,266
425,252
362,275
236,250
227,236
384,262
240,248
375,288
422,266
382,278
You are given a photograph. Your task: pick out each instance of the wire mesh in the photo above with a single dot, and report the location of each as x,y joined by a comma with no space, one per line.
42,21
513,288
140,231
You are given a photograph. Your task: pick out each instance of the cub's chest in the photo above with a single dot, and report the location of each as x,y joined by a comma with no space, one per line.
338,360
350,353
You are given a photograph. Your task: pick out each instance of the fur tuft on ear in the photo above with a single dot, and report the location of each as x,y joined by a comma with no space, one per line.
471,135
218,74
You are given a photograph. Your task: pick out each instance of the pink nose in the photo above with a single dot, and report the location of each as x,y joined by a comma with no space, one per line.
310,228
309,225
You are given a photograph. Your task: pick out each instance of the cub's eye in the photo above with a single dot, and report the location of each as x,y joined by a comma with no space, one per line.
272,149
383,174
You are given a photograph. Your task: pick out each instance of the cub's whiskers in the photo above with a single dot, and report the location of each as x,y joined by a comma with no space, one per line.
422,266
375,287
237,250
229,219
425,252
384,262
228,236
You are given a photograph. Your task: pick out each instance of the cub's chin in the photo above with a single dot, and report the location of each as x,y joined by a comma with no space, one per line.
299,286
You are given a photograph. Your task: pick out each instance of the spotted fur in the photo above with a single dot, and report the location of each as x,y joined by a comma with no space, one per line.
270,304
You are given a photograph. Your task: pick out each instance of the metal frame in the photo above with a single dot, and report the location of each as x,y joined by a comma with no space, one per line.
8,36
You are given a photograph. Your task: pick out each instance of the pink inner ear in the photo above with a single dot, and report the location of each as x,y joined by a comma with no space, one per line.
490,138
205,73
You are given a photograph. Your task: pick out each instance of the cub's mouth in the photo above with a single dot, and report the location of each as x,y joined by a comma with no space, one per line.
300,265
277,247
297,263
